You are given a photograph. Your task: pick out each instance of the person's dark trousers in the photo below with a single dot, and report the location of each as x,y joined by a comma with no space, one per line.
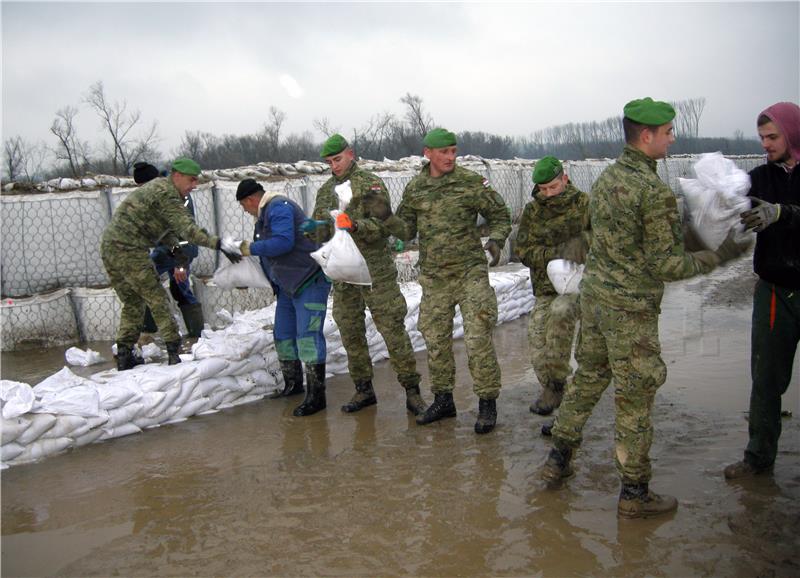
775,334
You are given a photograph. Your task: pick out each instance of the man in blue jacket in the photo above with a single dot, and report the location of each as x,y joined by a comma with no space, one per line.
300,286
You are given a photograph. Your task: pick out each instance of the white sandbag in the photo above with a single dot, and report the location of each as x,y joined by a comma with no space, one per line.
341,260
17,397
241,401
82,400
98,420
245,273
89,437
12,428
210,367
187,390
77,356
150,352
565,276
716,198
150,401
60,381
122,415
67,426
10,451
42,448
114,395
40,423
344,192
120,431
192,407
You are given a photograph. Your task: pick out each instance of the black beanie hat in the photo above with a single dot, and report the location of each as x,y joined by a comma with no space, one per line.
246,188
144,172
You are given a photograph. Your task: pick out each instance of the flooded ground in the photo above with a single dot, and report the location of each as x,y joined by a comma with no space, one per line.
253,491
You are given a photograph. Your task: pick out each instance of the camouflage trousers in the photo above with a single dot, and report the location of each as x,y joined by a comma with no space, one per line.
478,303
622,345
551,331
133,277
388,309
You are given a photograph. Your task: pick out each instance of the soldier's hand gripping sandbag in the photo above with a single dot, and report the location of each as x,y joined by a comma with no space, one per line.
494,249
575,250
730,249
230,248
761,215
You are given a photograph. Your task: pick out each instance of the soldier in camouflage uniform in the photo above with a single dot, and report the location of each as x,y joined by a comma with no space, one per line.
152,214
554,225
637,245
442,205
384,299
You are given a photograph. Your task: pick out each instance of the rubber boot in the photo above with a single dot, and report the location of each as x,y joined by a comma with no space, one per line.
193,318
441,408
744,469
173,348
550,398
364,397
127,357
487,416
315,391
414,402
557,468
637,501
547,428
292,379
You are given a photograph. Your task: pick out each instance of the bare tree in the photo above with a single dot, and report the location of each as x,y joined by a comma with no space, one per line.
272,131
119,122
70,148
324,127
687,116
416,117
13,157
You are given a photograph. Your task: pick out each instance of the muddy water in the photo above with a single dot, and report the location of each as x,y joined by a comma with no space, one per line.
252,491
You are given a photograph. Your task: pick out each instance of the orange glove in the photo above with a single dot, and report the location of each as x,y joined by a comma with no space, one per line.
343,222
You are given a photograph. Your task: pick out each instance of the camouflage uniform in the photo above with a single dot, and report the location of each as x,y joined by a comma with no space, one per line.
637,245
384,299
151,214
454,271
547,223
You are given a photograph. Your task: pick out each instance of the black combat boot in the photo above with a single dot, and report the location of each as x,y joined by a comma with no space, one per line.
364,397
441,408
637,501
173,347
315,391
547,428
414,402
487,416
557,468
193,318
292,371
550,398
127,357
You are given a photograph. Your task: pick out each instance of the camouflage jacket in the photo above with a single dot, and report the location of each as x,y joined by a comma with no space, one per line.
546,223
371,236
154,213
637,240
444,212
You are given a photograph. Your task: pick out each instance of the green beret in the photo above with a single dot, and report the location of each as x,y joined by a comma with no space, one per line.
333,146
186,166
439,138
649,111
546,169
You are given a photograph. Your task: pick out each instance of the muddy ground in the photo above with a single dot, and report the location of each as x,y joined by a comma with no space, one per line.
253,491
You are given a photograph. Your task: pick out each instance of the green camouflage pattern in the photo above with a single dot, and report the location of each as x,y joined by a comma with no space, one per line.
637,239
444,212
624,345
384,299
546,224
551,331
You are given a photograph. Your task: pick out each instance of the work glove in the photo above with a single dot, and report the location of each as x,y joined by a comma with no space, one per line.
377,205
575,250
761,215
730,249
230,248
310,225
343,221
494,249
245,248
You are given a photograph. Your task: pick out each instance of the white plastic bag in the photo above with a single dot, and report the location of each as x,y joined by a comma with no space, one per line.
344,194
77,356
245,273
17,398
565,276
716,198
341,260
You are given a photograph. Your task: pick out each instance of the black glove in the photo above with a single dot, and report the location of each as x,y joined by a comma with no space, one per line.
377,205
494,249
232,257
761,215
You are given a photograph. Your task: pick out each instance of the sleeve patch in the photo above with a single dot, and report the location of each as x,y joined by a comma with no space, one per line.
486,183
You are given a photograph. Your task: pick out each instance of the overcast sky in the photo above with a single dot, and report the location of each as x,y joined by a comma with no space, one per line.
505,68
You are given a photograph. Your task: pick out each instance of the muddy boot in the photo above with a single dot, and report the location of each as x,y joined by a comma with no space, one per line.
173,349
547,428
487,416
315,391
557,468
127,358
414,402
743,469
292,379
364,397
550,398
637,501
193,318
441,408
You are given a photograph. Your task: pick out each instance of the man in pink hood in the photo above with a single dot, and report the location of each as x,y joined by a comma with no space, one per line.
775,217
